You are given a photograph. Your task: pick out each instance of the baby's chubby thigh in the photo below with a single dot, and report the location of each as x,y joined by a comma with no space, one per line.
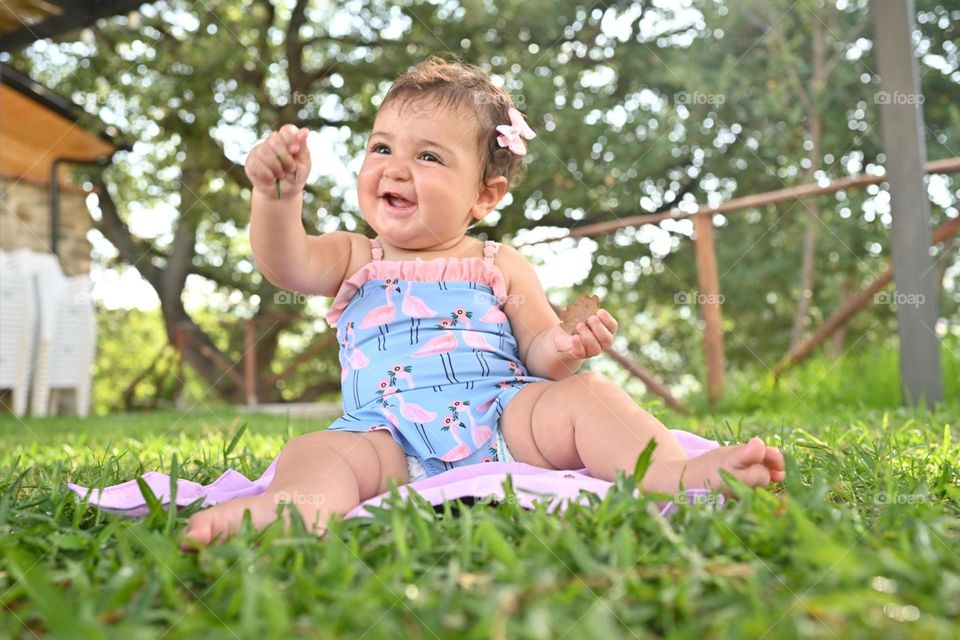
373,458
391,456
537,424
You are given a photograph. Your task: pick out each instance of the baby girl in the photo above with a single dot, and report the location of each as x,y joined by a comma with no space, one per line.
450,352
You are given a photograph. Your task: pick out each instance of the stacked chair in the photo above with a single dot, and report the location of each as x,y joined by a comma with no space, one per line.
47,333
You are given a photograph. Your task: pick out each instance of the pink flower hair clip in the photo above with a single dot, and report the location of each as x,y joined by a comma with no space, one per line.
514,133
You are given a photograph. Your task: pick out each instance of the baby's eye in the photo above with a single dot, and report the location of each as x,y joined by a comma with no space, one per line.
429,157
379,147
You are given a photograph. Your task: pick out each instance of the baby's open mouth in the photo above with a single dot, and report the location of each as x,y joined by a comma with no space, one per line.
398,201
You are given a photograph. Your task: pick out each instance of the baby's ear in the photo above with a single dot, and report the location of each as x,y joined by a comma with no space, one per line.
489,196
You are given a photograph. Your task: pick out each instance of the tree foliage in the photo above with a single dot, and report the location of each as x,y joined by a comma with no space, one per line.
640,107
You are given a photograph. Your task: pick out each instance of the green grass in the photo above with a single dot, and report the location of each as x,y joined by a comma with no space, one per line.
862,541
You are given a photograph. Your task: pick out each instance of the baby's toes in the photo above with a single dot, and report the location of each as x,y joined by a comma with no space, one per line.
756,475
751,453
774,461
199,531
214,524
773,458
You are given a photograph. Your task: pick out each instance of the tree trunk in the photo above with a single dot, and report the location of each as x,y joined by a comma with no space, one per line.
809,256
838,339
807,273
168,280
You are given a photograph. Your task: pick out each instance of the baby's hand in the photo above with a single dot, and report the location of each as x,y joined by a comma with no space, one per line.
278,167
592,337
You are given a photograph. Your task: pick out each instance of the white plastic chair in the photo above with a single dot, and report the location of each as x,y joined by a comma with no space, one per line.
17,327
67,344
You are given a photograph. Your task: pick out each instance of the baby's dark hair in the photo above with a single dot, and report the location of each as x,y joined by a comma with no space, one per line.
458,85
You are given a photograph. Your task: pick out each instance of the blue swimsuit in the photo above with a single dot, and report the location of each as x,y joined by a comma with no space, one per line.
427,353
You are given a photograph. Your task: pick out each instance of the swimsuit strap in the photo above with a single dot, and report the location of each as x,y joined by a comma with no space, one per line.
490,251
376,249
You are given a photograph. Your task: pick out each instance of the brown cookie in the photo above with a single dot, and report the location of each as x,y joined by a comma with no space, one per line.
578,311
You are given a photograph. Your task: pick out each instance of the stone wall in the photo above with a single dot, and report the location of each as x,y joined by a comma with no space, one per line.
25,223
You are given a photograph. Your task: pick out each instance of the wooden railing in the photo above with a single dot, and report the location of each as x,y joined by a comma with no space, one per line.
708,280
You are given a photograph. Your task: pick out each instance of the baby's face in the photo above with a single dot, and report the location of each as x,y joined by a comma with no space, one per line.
420,179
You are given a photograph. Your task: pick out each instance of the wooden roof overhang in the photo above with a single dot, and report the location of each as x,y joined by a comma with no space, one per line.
38,126
23,22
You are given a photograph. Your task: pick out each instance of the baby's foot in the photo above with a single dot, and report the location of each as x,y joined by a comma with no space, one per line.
225,519
752,463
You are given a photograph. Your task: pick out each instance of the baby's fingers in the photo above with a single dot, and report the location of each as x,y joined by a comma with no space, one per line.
577,350
562,340
265,170
600,331
608,320
293,138
299,142
591,346
281,154
571,345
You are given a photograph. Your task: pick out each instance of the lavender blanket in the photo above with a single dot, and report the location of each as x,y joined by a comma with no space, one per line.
485,481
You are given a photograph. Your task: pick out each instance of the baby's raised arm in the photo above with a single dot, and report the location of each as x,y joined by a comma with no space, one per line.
284,253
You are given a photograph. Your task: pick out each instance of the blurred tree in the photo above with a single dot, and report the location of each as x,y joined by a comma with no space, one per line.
789,88
640,107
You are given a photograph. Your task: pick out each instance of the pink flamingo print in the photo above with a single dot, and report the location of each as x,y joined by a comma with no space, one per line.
519,375
344,360
485,406
495,316
356,360
476,340
415,308
461,450
416,414
409,410
473,338
383,390
401,372
382,316
481,434
443,345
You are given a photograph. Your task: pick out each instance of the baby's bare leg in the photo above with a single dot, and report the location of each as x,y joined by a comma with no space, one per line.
586,420
320,474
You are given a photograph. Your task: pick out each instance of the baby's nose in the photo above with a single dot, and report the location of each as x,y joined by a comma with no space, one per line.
397,170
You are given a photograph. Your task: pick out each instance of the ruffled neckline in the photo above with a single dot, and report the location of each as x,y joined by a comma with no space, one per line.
448,269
